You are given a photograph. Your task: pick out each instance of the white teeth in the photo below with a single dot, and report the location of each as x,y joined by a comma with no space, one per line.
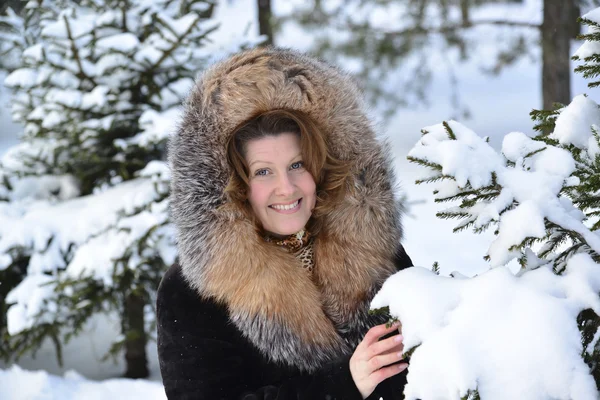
286,207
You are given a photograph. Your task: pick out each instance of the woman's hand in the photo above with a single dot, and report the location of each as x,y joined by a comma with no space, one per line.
370,363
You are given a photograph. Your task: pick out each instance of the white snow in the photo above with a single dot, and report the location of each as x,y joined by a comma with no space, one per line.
451,155
589,48
593,15
23,77
534,182
62,187
509,337
50,230
503,334
30,294
34,52
124,42
19,384
574,123
157,127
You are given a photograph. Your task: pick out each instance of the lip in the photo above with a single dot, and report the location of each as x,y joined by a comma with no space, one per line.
293,210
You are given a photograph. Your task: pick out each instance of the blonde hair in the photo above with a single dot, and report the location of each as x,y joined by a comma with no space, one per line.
330,174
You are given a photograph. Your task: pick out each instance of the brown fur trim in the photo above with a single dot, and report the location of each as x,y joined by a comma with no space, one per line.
289,317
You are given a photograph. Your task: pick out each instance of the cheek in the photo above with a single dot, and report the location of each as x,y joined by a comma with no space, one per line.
310,188
256,195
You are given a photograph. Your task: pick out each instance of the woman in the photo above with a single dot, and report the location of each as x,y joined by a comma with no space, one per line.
287,227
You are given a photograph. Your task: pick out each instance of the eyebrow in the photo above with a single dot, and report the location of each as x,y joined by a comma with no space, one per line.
270,163
259,161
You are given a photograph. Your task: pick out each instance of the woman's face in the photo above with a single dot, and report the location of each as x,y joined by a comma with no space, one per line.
282,192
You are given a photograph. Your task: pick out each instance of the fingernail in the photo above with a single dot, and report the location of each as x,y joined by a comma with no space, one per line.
398,338
396,323
402,367
399,355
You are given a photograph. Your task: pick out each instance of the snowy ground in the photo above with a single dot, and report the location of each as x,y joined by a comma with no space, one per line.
498,105
19,384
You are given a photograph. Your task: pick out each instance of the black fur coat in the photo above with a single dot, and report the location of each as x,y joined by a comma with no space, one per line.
203,356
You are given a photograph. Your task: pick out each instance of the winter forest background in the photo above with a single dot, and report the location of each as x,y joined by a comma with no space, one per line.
92,210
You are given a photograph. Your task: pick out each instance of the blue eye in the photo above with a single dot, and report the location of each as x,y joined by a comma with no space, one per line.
298,165
261,172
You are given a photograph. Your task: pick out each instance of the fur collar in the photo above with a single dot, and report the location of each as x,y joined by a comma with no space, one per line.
288,316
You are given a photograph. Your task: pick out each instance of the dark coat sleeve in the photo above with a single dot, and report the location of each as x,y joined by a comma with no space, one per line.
402,259
203,356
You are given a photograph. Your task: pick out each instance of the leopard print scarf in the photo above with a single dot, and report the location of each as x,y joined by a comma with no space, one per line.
300,244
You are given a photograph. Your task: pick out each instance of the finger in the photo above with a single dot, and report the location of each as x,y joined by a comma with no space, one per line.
397,349
385,345
383,360
376,332
384,373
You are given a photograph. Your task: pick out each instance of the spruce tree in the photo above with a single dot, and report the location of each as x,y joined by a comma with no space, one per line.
486,190
84,227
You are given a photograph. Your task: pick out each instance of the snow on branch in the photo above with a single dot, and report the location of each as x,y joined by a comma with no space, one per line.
508,337
519,192
530,335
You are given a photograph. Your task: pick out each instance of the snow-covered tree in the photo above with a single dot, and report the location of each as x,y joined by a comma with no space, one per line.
83,198
535,334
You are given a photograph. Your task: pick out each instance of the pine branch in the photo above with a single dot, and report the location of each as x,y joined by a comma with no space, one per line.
452,214
434,179
176,44
454,197
81,74
482,228
425,163
421,30
384,312
471,395
464,226
449,131
531,154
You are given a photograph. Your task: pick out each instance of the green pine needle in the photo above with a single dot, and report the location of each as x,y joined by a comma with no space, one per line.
449,131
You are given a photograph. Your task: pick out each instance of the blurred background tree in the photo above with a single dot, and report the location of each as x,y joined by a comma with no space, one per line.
16,5
265,21
389,35
84,228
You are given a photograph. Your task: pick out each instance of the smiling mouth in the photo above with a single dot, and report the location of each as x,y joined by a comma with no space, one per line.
287,207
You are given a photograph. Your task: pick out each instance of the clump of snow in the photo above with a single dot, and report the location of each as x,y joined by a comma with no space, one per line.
574,123
531,186
20,384
30,294
451,154
23,77
63,187
156,170
124,42
157,127
593,15
508,337
589,47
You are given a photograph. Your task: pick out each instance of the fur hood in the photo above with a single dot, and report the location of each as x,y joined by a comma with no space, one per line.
288,316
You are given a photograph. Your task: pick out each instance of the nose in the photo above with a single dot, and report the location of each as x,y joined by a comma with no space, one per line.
285,185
